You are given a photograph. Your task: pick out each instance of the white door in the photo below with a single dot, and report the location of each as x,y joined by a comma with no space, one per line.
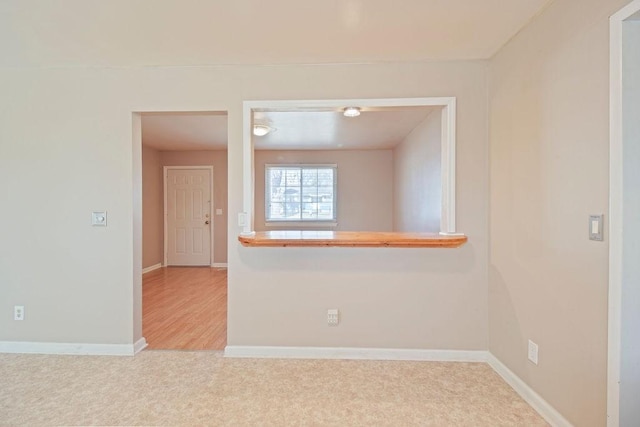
188,217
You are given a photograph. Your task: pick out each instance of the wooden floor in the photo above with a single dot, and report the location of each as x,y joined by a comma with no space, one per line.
185,308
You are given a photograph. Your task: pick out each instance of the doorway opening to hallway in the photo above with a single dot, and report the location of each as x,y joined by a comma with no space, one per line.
184,230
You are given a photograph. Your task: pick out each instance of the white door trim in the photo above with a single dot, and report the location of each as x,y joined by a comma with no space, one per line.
165,171
615,211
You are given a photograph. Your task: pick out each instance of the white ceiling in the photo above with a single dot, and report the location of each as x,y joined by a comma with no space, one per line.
185,131
379,128
375,128
196,32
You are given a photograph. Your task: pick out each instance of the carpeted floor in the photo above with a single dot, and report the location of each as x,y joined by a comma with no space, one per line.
203,388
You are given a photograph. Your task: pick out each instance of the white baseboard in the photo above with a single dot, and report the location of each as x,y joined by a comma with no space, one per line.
548,412
139,345
151,268
355,353
25,347
219,265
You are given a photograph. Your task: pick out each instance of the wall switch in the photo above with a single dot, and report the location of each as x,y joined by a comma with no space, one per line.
595,227
18,312
218,211
99,219
533,352
333,317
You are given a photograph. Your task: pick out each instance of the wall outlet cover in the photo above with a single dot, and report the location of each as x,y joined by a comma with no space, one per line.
333,317
18,312
99,218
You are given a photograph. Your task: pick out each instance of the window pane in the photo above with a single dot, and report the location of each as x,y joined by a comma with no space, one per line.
310,177
292,177
325,194
300,193
292,202
275,211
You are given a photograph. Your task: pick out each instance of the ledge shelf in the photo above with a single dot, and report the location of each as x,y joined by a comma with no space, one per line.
354,239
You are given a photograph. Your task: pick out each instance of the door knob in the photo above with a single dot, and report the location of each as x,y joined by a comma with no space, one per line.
206,223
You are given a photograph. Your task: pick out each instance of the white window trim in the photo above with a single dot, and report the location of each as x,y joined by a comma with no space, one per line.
301,222
448,148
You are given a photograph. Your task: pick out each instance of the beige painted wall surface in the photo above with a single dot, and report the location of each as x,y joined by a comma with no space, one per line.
417,184
549,91
217,159
152,208
365,186
432,298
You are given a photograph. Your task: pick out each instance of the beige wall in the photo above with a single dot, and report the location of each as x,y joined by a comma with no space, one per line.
364,187
217,159
152,208
548,115
549,91
432,299
417,183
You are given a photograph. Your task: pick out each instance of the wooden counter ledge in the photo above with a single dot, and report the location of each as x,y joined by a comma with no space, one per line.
357,239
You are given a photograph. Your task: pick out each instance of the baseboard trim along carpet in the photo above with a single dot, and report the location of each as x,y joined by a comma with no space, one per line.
548,412
355,353
26,347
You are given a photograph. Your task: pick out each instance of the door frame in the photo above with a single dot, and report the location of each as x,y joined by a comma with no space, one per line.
165,171
615,210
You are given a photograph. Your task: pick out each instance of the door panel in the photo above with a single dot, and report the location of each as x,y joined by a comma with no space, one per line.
188,211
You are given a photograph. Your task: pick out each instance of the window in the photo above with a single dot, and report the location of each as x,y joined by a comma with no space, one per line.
300,192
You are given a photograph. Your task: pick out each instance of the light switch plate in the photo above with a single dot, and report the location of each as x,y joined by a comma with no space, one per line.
596,226
99,219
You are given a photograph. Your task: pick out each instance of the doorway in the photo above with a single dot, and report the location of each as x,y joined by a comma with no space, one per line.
183,282
623,385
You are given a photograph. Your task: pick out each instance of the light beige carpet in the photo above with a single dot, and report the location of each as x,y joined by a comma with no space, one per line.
203,388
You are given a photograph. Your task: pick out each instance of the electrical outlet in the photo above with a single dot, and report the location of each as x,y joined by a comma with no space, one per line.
18,312
533,352
333,317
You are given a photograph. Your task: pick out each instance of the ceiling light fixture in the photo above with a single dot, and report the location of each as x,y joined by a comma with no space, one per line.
261,130
351,112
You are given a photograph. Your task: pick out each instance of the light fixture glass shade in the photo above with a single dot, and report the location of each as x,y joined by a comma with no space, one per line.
351,112
261,130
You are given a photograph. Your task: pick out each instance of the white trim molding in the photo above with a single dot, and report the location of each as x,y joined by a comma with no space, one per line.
615,210
151,268
139,345
25,347
448,149
354,353
548,412
219,265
